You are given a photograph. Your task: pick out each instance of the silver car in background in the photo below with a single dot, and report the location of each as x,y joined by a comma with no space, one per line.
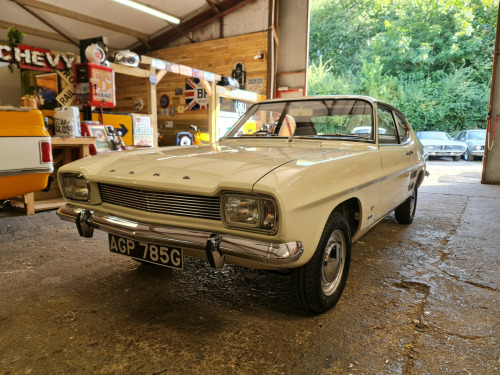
475,140
439,144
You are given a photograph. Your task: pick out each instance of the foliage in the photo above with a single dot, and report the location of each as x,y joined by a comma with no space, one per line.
431,58
14,37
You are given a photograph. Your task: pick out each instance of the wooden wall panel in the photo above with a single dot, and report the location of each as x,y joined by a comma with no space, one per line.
217,56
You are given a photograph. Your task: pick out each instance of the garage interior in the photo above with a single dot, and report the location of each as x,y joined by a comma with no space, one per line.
420,299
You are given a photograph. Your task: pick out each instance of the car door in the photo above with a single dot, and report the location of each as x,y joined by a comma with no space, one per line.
463,137
397,156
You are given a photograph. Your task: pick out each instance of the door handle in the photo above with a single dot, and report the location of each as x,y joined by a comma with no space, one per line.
409,153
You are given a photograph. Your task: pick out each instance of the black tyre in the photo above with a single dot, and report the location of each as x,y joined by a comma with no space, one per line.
468,156
456,158
5,205
320,282
406,210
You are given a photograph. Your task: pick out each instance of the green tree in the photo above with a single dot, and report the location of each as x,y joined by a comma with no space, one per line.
431,58
322,81
340,29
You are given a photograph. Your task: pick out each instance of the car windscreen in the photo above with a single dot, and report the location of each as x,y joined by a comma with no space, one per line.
478,134
434,135
325,118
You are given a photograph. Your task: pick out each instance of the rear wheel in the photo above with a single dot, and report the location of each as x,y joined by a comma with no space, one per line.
320,282
406,211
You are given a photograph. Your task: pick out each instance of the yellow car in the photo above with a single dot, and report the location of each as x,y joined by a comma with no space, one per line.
25,152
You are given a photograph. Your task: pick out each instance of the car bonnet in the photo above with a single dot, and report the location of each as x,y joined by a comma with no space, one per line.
195,170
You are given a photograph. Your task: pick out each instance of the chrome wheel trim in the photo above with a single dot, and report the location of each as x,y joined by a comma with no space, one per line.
334,257
413,202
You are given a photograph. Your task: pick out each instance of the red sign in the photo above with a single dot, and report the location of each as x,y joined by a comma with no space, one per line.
35,58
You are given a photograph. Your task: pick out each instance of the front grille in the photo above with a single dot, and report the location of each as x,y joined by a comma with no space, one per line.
161,202
452,148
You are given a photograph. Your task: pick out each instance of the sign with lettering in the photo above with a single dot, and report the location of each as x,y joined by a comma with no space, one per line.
35,58
67,95
196,95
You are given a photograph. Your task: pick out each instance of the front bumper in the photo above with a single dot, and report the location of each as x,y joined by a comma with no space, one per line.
444,153
218,248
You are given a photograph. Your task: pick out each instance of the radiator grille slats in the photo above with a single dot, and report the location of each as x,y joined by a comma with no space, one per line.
161,202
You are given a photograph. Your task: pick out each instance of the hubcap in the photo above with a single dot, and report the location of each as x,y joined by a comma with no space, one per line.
413,201
333,262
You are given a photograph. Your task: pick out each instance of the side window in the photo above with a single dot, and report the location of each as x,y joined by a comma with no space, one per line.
403,130
386,128
461,136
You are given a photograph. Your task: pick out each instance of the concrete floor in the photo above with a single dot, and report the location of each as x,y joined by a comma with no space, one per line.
420,299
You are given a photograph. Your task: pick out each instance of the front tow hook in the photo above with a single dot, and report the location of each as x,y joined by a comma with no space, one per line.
214,255
83,224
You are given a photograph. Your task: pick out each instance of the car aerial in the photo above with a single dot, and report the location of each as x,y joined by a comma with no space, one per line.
288,188
439,144
475,140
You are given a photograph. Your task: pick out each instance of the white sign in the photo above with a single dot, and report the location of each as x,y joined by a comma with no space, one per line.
142,122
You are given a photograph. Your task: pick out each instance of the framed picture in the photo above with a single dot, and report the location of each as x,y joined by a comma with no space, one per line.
101,137
48,89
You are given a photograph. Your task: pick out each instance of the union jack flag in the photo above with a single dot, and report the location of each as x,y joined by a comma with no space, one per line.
196,96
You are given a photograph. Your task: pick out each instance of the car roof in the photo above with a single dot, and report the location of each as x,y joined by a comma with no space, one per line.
431,131
329,97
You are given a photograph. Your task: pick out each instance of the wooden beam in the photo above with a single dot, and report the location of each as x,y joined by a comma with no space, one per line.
124,69
81,17
207,86
32,31
212,5
159,75
204,18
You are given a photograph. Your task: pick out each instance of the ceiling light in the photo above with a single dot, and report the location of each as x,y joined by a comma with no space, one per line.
146,9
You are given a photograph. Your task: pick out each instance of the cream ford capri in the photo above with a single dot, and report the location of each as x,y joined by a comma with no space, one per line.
290,187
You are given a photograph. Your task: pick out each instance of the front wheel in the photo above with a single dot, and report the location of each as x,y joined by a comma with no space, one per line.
320,282
406,211
456,158
468,156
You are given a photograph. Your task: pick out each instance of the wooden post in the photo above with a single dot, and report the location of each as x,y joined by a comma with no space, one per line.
152,103
213,112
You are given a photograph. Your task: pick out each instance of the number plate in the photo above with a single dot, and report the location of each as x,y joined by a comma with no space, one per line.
158,254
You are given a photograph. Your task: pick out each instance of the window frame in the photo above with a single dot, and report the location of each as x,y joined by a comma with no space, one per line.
395,141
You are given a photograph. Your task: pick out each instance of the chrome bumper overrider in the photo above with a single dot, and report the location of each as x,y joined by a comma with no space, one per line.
215,246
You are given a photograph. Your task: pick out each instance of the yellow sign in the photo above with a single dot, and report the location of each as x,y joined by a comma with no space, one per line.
121,122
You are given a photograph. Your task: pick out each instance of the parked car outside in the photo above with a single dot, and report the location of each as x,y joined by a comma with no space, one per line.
288,188
365,130
439,144
475,140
